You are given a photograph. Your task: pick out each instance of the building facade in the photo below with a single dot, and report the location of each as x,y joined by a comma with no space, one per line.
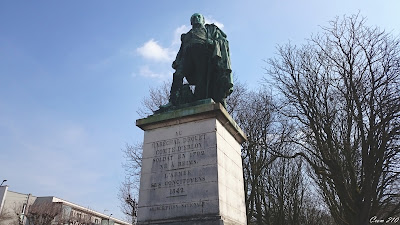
26,209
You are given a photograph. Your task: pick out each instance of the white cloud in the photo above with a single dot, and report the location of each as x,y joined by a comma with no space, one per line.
153,51
177,34
145,71
211,20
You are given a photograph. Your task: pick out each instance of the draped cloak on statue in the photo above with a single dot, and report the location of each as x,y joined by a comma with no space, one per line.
204,60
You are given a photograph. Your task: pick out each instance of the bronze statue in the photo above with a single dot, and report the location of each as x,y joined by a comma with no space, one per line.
203,59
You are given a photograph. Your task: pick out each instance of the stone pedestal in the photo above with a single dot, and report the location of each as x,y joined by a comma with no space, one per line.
192,169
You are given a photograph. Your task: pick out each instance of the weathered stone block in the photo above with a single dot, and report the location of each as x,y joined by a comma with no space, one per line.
191,168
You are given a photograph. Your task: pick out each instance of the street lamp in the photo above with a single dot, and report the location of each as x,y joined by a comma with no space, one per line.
2,182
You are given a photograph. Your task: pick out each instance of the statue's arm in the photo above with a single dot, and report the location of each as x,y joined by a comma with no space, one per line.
178,60
222,33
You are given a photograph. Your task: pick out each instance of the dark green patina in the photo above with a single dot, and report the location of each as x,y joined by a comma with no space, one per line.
203,59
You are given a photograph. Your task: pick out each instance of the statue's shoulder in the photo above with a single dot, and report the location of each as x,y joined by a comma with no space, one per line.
214,29
211,25
184,36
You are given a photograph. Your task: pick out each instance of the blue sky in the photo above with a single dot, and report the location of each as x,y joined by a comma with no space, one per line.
73,73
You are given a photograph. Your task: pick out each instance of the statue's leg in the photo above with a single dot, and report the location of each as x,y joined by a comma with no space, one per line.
177,81
201,57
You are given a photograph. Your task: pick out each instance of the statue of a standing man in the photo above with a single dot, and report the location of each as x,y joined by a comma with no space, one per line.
204,60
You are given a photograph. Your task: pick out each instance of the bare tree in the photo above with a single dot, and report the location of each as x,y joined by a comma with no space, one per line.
159,95
129,188
8,217
342,92
315,213
128,197
284,192
236,97
276,188
253,114
133,163
43,213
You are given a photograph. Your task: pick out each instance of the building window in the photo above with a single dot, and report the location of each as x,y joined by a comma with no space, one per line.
23,208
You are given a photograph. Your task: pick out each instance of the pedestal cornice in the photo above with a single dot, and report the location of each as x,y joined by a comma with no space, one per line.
202,109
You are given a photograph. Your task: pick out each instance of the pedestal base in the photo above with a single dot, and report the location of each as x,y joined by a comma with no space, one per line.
191,168
192,221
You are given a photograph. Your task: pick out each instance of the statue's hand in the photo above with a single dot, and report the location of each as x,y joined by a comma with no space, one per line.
226,84
210,42
178,76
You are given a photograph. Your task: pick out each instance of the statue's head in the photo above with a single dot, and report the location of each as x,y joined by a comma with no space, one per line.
197,18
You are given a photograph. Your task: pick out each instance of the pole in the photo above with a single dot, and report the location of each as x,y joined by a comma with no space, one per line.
24,219
109,219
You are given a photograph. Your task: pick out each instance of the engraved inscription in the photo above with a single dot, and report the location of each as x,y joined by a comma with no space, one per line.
178,145
180,178
162,159
174,167
176,192
177,206
178,153
177,174
178,182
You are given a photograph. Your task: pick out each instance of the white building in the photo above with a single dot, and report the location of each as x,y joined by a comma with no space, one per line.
17,208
